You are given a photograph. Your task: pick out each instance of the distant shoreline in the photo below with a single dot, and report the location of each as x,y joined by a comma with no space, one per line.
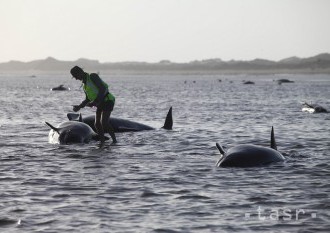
319,64
33,73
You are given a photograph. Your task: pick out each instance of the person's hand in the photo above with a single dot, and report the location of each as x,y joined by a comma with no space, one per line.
76,108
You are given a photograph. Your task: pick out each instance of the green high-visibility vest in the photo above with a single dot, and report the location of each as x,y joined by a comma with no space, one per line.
92,91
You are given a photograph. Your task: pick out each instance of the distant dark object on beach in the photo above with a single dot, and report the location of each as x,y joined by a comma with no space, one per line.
248,82
32,76
60,88
280,81
313,108
220,80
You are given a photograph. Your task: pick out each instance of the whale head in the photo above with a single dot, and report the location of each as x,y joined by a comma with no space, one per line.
72,132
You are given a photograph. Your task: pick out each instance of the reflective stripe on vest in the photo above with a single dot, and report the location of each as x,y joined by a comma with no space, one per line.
92,91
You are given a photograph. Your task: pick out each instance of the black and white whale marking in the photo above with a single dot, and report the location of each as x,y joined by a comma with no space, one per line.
71,132
122,125
249,155
313,108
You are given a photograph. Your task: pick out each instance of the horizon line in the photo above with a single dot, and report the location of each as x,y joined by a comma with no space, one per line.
163,60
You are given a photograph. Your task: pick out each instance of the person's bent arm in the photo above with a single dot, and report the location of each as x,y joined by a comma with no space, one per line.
84,103
76,108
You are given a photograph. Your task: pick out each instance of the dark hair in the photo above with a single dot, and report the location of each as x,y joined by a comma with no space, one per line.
76,71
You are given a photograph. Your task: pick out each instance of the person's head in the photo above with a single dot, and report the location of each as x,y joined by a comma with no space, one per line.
77,73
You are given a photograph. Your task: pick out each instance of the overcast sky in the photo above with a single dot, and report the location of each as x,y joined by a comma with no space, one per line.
153,30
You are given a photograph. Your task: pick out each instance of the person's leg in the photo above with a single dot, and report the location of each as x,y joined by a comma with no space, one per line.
98,125
107,127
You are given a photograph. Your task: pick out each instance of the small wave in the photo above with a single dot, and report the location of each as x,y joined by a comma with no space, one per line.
149,193
47,222
194,213
18,210
194,196
165,230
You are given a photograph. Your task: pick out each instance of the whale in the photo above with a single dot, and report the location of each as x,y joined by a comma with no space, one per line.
247,155
60,88
313,108
71,132
122,125
284,80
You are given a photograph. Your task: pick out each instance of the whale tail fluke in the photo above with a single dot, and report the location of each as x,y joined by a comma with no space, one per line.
52,127
272,140
169,120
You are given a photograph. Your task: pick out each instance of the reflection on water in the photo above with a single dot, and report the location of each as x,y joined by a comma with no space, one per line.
166,181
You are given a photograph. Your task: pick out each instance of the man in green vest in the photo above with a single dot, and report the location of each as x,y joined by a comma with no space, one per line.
97,94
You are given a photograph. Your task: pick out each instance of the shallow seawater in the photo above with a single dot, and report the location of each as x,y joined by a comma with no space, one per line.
166,181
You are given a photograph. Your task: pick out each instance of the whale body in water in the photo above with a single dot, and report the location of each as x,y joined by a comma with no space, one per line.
249,155
313,108
122,125
60,88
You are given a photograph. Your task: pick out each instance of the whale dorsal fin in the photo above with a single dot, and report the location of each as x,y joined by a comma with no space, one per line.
73,116
80,118
272,140
169,120
52,127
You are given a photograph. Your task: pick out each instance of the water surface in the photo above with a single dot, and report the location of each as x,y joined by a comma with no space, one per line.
166,181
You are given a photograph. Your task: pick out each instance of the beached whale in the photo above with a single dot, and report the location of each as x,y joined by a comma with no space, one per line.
70,132
313,108
121,125
249,155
